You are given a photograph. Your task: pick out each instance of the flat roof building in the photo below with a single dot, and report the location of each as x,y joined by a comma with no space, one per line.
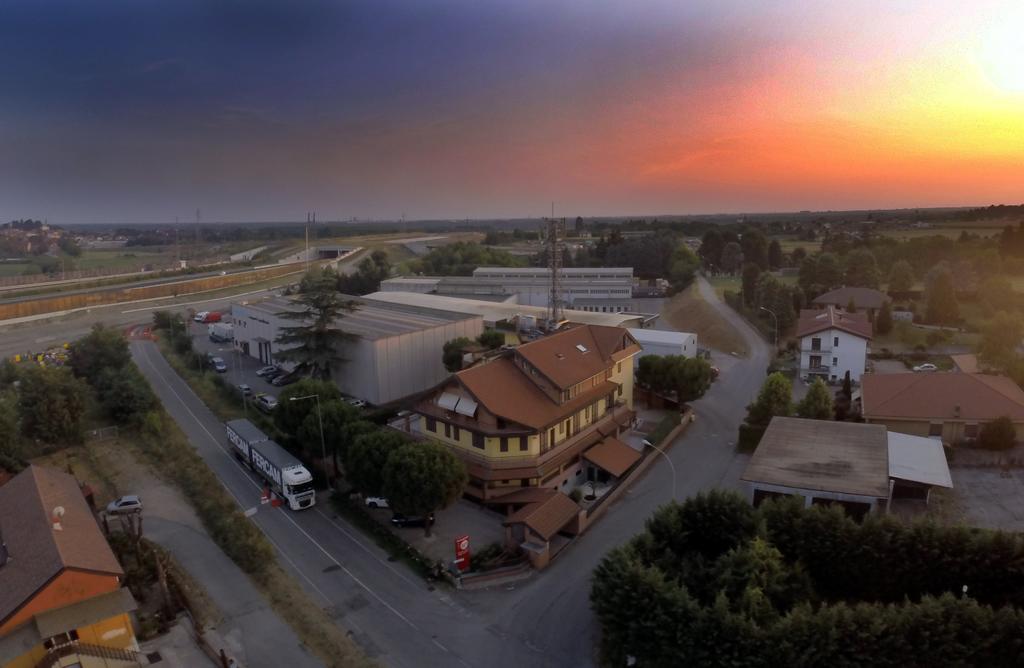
397,351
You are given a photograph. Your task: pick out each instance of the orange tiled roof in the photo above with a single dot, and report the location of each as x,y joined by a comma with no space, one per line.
547,517
814,321
939,396
574,354
613,456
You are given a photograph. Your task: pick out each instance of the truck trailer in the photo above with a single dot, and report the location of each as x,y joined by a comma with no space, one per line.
221,332
283,473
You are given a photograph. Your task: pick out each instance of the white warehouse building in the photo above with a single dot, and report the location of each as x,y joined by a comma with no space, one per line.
661,342
594,289
397,352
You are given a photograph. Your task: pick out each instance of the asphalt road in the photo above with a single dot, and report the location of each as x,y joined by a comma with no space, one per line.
545,621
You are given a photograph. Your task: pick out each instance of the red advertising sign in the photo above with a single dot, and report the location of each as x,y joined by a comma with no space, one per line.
462,553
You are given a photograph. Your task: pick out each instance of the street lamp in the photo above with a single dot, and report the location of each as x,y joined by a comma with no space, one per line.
670,464
776,319
320,420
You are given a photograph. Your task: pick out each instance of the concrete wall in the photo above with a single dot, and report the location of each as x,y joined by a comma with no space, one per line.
952,430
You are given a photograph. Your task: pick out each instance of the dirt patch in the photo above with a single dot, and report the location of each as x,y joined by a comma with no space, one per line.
689,312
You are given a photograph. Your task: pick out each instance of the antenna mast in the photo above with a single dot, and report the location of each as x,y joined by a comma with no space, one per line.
555,228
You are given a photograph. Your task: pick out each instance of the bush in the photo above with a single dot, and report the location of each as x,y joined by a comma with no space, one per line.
1000,434
749,436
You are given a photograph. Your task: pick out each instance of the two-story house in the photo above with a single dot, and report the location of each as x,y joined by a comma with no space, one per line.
833,342
62,602
528,417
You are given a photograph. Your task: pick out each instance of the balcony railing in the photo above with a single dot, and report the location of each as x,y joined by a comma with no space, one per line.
54,656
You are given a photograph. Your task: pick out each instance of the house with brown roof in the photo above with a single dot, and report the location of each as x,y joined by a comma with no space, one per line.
61,599
867,300
832,343
951,406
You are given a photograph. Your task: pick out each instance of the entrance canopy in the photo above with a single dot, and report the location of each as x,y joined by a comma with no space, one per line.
613,456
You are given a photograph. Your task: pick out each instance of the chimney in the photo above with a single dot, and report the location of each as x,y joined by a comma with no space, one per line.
58,513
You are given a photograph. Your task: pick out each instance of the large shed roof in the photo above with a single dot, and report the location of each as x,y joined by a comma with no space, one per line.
940,396
839,457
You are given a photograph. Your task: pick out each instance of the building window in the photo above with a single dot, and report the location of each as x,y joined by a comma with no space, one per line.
618,368
551,437
815,344
835,361
524,444
455,432
835,341
935,429
447,430
620,390
970,431
504,443
478,441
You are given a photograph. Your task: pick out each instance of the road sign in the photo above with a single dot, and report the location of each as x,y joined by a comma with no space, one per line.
462,553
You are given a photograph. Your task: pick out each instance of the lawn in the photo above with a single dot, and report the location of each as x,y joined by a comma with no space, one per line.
13,268
721,284
127,260
688,312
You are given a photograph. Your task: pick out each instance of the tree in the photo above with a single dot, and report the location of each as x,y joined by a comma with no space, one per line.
686,377
901,277
9,430
683,267
51,404
755,248
775,398
124,394
774,254
461,258
289,415
336,416
711,246
862,269
829,273
367,457
1000,337
883,321
490,338
313,345
999,434
797,256
732,256
817,405
942,307
100,350
368,275
69,246
452,351
751,272
420,478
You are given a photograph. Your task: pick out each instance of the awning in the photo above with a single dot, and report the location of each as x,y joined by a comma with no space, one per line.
547,517
86,612
466,407
918,459
613,456
447,401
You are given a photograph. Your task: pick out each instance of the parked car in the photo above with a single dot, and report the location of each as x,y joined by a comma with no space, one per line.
358,403
244,389
125,504
284,379
218,365
266,402
201,316
400,520
376,502
268,371
927,366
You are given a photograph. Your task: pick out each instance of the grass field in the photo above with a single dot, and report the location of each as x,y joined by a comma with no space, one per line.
688,312
733,283
126,259
13,268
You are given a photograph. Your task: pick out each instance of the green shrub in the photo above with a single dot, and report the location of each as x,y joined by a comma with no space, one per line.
999,434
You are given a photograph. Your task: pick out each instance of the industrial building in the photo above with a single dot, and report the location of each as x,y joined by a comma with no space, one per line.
661,342
397,351
594,289
511,314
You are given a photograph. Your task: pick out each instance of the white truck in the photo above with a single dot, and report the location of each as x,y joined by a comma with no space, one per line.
221,332
284,474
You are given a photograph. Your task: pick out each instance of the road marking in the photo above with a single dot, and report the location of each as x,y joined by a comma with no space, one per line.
284,514
366,549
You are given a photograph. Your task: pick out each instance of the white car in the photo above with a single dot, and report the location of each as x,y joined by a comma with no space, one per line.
244,389
358,403
201,316
376,502
928,366
266,402
267,371
124,505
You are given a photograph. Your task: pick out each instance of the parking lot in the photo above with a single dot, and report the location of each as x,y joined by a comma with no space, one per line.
992,498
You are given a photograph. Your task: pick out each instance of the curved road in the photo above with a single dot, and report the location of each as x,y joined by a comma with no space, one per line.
544,621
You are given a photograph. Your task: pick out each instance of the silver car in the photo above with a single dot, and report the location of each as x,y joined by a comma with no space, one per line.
124,505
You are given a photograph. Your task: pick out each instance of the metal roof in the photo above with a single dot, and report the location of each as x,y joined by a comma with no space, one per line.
659,336
248,431
918,459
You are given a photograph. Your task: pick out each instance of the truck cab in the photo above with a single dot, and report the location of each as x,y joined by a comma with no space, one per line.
297,487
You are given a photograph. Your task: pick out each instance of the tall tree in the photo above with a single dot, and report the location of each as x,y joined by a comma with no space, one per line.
452,351
829,273
942,307
732,256
817,404
420,478
710,250
862,269
883,321
51,404
775,398
755,248
101,349
289,415
367,457
1001,336
751,272
774,254
335,416
901,277
313,345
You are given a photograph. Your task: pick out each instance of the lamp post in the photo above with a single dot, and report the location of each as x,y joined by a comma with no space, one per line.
776,319
320,420
670,464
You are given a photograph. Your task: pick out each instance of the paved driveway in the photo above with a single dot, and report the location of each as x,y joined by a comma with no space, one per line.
990,497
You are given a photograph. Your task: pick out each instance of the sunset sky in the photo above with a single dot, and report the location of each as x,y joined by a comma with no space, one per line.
258,110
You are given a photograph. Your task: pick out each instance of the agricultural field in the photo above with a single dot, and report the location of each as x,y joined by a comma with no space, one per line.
723,284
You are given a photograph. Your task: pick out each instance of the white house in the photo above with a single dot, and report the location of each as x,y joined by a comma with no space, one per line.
833,342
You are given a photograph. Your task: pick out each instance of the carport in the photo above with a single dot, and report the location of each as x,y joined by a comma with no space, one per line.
916,465
611,457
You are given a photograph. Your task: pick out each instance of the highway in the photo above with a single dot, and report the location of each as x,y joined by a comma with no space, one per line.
396,617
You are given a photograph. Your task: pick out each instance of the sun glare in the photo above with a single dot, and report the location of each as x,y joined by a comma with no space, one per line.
1003,54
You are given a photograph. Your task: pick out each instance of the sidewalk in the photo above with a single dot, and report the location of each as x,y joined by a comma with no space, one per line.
252,633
